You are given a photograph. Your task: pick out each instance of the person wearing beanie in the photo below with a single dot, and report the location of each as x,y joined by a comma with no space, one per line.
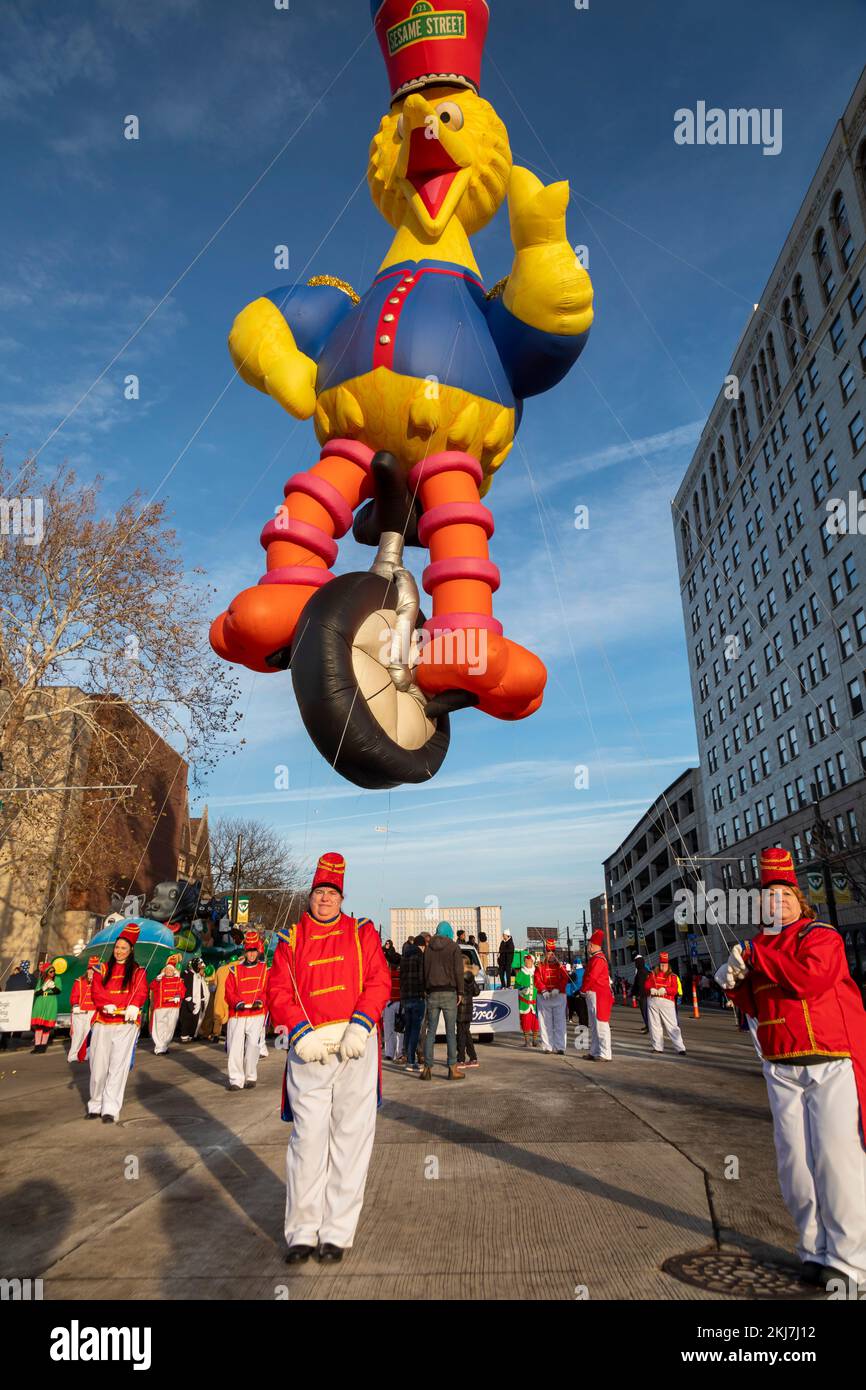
43,1017
793,978
83,1009
661,991
551,982
166,997
505,959
527,999
599,1000
119,997
328,985
246,994
443,985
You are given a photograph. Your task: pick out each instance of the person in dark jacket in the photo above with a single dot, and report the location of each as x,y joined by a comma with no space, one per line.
412,1000
471,989
443,985
505,959
637,989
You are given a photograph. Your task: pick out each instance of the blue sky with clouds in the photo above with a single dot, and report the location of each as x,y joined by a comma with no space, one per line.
134,256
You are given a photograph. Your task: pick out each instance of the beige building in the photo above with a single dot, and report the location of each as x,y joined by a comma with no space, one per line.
475,921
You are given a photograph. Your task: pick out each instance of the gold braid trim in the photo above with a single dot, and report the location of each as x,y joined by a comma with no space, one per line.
337,285
498,288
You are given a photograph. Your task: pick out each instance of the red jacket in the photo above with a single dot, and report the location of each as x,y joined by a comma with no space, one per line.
113,992
82,993
668,982
246,984
800,990
332,972
549,976
166,992
596,980
395,983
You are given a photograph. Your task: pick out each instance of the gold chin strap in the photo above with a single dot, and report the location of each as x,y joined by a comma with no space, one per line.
336,284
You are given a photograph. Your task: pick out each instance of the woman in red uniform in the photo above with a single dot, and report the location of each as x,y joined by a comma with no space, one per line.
166,996
793,977
83,1009
119,998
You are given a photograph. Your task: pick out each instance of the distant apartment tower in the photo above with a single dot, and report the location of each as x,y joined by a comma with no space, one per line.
409,921
598,917
772,564
660,855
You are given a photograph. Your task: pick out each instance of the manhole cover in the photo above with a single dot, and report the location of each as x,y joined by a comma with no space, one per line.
173,1120
737,1275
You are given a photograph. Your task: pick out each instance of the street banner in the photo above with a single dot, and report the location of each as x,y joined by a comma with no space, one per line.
243,911
816,892
16,1010
498,1008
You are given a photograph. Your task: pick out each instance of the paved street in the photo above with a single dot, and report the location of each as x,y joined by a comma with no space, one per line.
535,1176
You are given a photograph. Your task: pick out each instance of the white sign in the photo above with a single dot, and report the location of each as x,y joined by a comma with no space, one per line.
497,1008
16,1010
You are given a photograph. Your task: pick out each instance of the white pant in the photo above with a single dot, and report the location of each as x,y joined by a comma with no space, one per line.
552,1022
822,1164
393,1040
162,1025
111,1046
78,1032
599,1033
661,1017
243,1041
334,1109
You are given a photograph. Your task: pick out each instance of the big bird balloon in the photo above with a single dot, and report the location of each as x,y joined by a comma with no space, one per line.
425,367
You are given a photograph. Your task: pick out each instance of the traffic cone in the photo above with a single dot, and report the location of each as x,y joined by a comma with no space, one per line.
696,1013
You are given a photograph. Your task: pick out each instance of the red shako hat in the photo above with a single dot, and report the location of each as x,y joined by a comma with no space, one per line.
330,872
131,932
252,941
777,866
664,958
597,938
431,42
95,963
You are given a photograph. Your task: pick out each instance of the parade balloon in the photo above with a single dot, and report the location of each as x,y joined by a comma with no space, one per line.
415,387
59,965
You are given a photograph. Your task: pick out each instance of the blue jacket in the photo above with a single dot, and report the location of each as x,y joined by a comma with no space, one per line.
442,326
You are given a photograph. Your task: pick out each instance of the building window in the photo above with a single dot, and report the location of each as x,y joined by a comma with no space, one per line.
842,230
855,301
855,696
847,383
824,266
837,333
857,432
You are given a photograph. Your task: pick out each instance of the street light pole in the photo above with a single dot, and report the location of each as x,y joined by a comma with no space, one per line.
820,841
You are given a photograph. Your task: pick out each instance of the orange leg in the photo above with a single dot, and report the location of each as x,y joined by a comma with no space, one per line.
466,649
301,545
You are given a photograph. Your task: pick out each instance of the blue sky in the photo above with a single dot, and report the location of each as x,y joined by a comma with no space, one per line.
134,256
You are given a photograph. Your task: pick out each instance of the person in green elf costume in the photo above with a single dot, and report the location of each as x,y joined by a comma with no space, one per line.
44,1013
527,996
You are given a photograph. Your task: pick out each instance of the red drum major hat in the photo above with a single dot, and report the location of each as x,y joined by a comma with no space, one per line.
664,958
252,941
130,933
597,938
431,42
330,872
777,866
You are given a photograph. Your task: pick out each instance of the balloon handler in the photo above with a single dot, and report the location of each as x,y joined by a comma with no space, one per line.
119,997
329,983
83,1010
793,978
426,364
245,993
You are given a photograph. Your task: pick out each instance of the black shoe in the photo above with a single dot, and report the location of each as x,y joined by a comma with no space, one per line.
560,1052
330,1254
232,1087
109,1119
249,1085
811,1272
298,1254
644,1030
92,1115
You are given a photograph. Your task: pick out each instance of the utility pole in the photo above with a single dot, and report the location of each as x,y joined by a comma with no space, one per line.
568,941
820,839
585,933
235,908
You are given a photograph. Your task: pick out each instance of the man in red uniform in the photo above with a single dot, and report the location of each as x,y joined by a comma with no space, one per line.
83,1009
119,997
551,979
329,984
793,977
246,993
166,997
660,988
599,999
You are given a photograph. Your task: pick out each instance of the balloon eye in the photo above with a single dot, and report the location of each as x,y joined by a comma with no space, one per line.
401,126
450,114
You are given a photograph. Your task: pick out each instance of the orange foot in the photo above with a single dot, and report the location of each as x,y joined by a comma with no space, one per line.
508,680
258,622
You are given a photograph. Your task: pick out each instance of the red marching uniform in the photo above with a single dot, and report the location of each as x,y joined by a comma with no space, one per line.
166,992
596,980
550,976
82,994
811,1031
246,985
667,981
113,992
325,973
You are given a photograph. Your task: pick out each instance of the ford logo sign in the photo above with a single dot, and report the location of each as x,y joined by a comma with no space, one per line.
491,1011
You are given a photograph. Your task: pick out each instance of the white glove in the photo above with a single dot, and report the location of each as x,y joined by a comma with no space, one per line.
131,1013
76,1009
725,977
312,1048
110,1009
736,963
354,1042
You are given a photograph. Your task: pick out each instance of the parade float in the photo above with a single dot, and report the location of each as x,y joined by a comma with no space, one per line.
415,388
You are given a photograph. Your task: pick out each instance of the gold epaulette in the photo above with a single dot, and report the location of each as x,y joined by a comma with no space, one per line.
498,288
335,284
